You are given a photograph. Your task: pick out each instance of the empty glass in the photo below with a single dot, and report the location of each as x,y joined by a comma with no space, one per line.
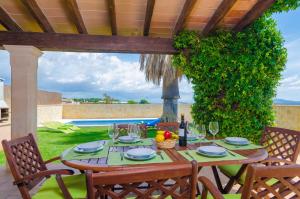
202,131
113,132
213,128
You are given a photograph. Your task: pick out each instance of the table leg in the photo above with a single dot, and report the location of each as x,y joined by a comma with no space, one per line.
231,181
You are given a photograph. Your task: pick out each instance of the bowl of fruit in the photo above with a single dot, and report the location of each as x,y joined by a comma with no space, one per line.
166,139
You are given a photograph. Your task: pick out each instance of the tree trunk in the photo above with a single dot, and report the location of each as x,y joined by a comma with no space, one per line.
170,96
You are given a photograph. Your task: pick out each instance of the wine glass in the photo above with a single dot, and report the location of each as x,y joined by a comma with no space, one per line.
138,132
113,132
130,131
213,128
202,131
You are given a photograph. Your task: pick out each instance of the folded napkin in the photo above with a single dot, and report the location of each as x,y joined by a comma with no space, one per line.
143,142
114,159
237,147
201,158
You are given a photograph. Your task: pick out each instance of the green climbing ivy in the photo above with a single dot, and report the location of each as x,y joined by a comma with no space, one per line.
235,75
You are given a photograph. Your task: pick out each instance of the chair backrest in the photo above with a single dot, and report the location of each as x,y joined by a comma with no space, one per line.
145,183
278,182
281,143
123,128
24,158
168,126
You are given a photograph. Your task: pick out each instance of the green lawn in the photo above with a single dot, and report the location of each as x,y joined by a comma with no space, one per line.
52,143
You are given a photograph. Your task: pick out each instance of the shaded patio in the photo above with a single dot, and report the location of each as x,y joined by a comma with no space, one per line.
132,27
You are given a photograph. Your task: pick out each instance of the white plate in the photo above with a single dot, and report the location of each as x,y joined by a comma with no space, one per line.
90,146
128,139
139,158
212,150
237,141
79,150
140,152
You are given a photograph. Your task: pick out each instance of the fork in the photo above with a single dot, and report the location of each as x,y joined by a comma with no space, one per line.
188,154
159,153
122,156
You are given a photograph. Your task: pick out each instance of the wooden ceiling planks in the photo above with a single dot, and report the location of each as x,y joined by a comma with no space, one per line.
131,18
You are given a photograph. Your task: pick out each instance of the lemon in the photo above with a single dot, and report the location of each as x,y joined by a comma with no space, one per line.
160,132
159,138
175,136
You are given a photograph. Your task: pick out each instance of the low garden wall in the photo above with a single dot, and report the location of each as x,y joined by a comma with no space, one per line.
106,111
47,113
288,116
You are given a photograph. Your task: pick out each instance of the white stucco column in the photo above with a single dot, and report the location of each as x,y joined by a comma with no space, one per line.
24,64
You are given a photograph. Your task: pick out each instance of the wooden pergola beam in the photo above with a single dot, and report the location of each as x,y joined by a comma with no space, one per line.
220,13
112,16
186,10
88,43
148,17
257,10
8,22
77,18
38,14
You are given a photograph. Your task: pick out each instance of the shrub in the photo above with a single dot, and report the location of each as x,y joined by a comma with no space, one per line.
234,76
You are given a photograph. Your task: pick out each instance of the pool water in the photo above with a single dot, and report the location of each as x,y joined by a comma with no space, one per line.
107,122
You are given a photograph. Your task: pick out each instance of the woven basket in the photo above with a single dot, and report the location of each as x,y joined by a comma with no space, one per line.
167,144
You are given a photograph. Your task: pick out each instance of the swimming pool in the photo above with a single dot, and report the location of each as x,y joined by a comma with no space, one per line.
107,122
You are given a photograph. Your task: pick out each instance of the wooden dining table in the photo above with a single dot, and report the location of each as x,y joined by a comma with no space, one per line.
101,164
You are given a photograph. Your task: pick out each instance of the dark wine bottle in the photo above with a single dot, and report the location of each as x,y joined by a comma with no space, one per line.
182,127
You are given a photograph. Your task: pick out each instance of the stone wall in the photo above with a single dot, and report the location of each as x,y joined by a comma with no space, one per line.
46,113
44,97
105,111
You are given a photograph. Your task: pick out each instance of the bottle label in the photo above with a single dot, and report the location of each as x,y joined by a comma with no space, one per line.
181,132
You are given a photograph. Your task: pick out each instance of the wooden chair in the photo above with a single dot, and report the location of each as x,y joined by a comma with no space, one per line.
131,182
29,170
168,126
123,128
285,183
282,144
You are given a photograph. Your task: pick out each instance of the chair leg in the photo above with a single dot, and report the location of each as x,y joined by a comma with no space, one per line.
63,188
217,179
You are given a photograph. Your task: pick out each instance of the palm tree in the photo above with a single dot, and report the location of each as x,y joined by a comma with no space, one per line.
157,68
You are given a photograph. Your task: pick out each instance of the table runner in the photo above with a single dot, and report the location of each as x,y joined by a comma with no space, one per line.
201,158
234,147
114,159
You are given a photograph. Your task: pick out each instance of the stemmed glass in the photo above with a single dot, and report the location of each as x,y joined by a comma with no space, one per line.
202,131
113,132
213,128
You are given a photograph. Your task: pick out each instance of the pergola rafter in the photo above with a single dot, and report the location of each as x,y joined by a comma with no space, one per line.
148,16
186,10
78,21
112,16
38,14
222,10
8,22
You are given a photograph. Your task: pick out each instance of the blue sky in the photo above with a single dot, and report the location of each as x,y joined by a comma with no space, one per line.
118,75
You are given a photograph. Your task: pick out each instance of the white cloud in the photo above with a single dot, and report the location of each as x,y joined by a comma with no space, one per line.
92,74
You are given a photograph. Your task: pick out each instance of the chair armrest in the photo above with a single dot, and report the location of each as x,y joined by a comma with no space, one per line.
43,174
52,159
210,187
271,160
